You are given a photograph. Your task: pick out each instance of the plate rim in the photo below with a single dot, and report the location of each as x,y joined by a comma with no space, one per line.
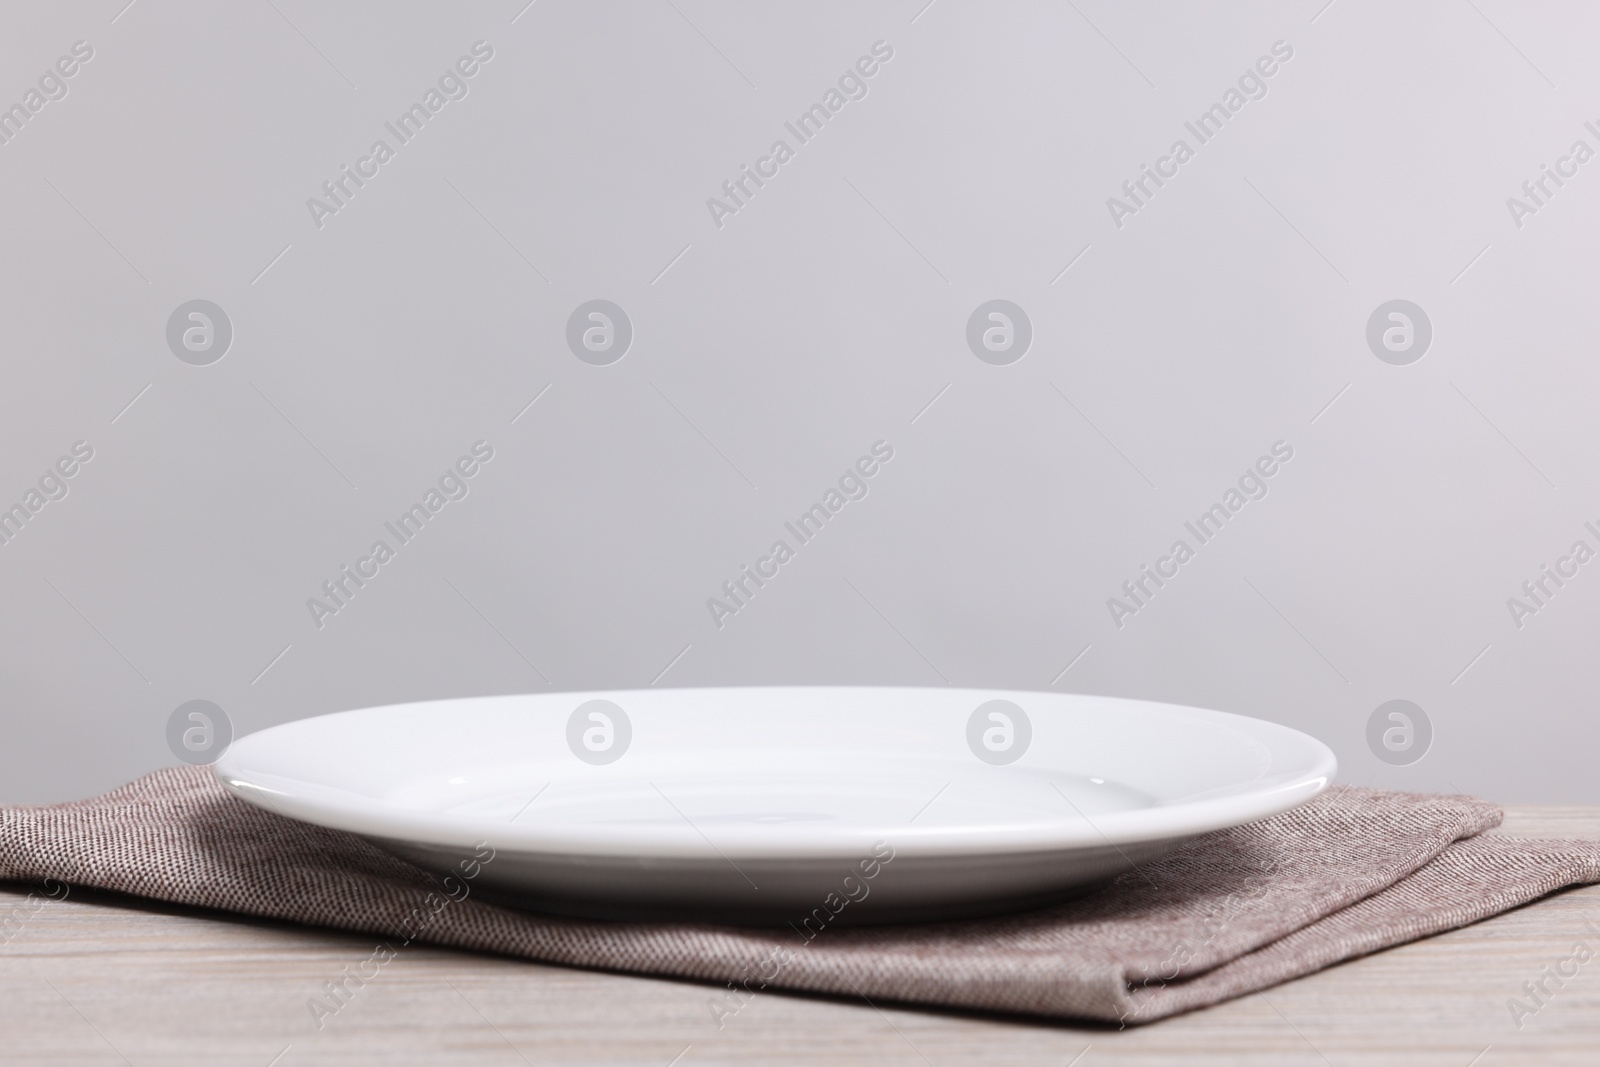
374,818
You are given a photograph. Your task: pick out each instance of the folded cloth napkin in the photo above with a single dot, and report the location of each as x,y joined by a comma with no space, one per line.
1228,913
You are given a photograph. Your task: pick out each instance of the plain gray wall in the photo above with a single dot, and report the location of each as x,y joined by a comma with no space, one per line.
777,348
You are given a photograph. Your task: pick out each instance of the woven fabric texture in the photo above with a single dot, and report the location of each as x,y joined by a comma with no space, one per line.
1352,872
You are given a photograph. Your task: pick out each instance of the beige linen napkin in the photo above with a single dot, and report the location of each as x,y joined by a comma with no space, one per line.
1352,872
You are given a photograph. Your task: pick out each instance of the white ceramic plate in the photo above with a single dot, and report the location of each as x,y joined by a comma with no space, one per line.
766,805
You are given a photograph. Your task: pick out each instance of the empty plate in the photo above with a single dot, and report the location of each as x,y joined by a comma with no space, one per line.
805,806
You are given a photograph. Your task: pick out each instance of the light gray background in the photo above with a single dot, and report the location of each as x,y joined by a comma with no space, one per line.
774,351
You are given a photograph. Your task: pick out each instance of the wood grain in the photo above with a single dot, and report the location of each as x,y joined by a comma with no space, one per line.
102,979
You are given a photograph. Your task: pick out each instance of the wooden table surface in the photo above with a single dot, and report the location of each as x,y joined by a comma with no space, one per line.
100,979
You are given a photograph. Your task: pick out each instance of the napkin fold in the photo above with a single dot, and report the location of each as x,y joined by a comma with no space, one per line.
1228,913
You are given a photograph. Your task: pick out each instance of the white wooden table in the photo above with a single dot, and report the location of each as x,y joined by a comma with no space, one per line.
98,979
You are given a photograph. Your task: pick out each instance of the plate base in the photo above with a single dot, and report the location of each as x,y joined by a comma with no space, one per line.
782,893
